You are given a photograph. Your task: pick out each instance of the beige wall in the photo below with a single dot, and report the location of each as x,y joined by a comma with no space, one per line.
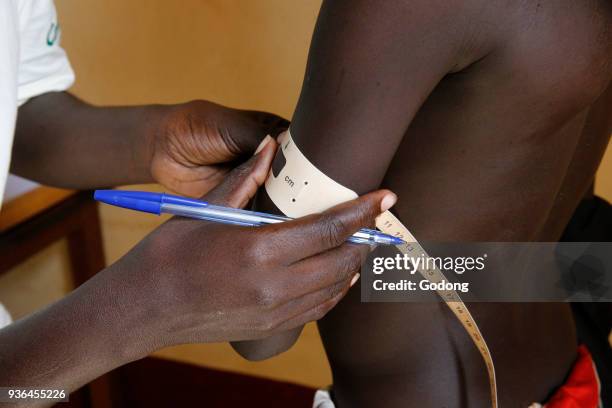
243,53
603,181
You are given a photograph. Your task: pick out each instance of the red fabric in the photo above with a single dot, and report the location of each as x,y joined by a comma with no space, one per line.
581,390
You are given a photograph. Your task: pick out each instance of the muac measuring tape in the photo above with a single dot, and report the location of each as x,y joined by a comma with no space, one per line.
298,188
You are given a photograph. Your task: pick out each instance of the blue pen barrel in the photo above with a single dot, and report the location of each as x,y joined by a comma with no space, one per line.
157,203
235,216
225,215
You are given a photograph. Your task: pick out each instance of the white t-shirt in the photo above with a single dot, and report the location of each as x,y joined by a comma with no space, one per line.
31,63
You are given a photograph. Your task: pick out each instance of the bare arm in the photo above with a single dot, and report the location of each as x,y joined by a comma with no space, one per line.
171,289
63,141
370,68
76,339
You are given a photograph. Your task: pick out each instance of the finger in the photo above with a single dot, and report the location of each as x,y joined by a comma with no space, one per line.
324,270
241,184
269,123
247,134
200,181
301,238
311,307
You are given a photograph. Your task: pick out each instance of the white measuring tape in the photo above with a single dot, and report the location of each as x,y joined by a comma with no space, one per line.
298,188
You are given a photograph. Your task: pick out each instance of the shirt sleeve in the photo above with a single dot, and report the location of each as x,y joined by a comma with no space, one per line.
5,317
43,64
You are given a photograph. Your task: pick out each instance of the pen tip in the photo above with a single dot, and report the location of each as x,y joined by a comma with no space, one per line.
398,241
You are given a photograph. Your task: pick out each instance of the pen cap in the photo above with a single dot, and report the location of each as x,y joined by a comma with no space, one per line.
133,200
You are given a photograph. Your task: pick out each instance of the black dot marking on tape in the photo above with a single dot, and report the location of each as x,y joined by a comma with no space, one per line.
293,200
305,183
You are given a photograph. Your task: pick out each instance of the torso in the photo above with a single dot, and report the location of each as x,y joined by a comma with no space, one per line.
504,149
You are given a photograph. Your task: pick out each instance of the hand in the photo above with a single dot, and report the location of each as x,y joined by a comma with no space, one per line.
207,282
193,281
195,144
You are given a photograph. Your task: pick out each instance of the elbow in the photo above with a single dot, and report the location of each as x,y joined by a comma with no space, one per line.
258,350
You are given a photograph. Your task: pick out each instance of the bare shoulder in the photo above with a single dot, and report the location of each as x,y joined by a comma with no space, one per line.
562,48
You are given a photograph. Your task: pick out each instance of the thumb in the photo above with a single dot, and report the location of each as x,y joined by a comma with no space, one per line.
247,134
241,184
316,233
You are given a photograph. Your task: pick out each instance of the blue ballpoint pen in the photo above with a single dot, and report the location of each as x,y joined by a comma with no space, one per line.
157,203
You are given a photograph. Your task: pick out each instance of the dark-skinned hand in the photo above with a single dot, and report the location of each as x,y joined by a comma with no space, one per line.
210,282
194,144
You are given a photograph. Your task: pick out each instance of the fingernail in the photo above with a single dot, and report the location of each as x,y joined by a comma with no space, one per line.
355,279
388,202
263,144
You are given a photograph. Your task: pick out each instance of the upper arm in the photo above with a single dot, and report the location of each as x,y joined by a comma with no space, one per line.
370,67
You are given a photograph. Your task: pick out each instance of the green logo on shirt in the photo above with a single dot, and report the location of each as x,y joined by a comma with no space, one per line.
52,34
